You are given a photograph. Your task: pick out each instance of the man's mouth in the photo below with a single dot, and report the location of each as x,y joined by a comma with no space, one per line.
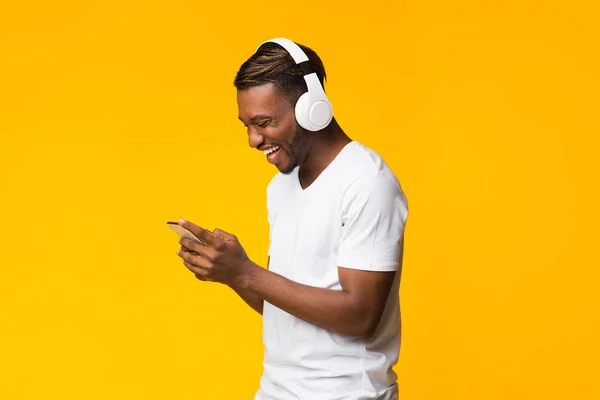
272,153
270,150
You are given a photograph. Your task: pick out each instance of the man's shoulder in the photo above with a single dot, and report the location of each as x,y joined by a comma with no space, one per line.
360,162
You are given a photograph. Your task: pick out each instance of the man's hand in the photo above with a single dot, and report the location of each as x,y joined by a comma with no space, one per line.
222,259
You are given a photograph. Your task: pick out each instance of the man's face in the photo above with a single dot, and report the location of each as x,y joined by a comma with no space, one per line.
271,124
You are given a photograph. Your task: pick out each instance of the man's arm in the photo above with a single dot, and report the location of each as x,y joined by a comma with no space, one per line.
252,299
353,311
371,244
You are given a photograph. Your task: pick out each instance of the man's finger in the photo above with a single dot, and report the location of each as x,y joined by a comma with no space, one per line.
192,245
205,277
221,234
183,248
197,270
201,233
203,251
194,260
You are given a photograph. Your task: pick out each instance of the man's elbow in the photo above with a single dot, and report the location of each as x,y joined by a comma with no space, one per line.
368,332
366,327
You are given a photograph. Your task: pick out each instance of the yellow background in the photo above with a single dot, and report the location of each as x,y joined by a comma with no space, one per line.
118,116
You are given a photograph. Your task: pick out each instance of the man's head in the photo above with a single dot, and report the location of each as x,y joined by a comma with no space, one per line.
268,86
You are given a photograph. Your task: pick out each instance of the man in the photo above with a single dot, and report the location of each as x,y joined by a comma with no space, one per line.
329,298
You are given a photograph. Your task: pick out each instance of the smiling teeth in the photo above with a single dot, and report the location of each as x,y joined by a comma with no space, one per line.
269,151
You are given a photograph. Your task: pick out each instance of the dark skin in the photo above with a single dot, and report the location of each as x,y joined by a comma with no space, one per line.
353,311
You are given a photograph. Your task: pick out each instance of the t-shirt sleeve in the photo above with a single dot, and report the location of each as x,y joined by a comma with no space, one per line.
374,213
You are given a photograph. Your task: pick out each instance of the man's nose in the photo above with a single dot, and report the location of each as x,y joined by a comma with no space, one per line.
254,138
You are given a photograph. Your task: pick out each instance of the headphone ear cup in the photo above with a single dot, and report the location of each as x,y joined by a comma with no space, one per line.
301,111
320,114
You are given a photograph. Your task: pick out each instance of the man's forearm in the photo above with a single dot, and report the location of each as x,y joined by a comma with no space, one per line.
253,300
334,310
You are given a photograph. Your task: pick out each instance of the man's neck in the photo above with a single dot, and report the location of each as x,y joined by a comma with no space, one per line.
326,145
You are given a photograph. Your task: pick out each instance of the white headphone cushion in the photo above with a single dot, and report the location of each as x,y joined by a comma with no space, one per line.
301,112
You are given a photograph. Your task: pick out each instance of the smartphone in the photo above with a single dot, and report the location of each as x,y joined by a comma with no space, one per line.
181,231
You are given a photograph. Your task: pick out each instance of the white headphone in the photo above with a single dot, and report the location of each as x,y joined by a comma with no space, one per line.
313,109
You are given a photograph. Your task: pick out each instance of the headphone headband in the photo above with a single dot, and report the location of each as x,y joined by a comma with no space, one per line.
295,51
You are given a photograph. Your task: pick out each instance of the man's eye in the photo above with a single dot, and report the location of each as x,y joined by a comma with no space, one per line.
264,124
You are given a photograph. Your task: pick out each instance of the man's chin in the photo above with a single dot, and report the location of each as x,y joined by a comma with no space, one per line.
287,164
287,168
286,171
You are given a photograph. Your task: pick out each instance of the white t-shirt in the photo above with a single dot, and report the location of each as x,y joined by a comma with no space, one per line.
353,215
